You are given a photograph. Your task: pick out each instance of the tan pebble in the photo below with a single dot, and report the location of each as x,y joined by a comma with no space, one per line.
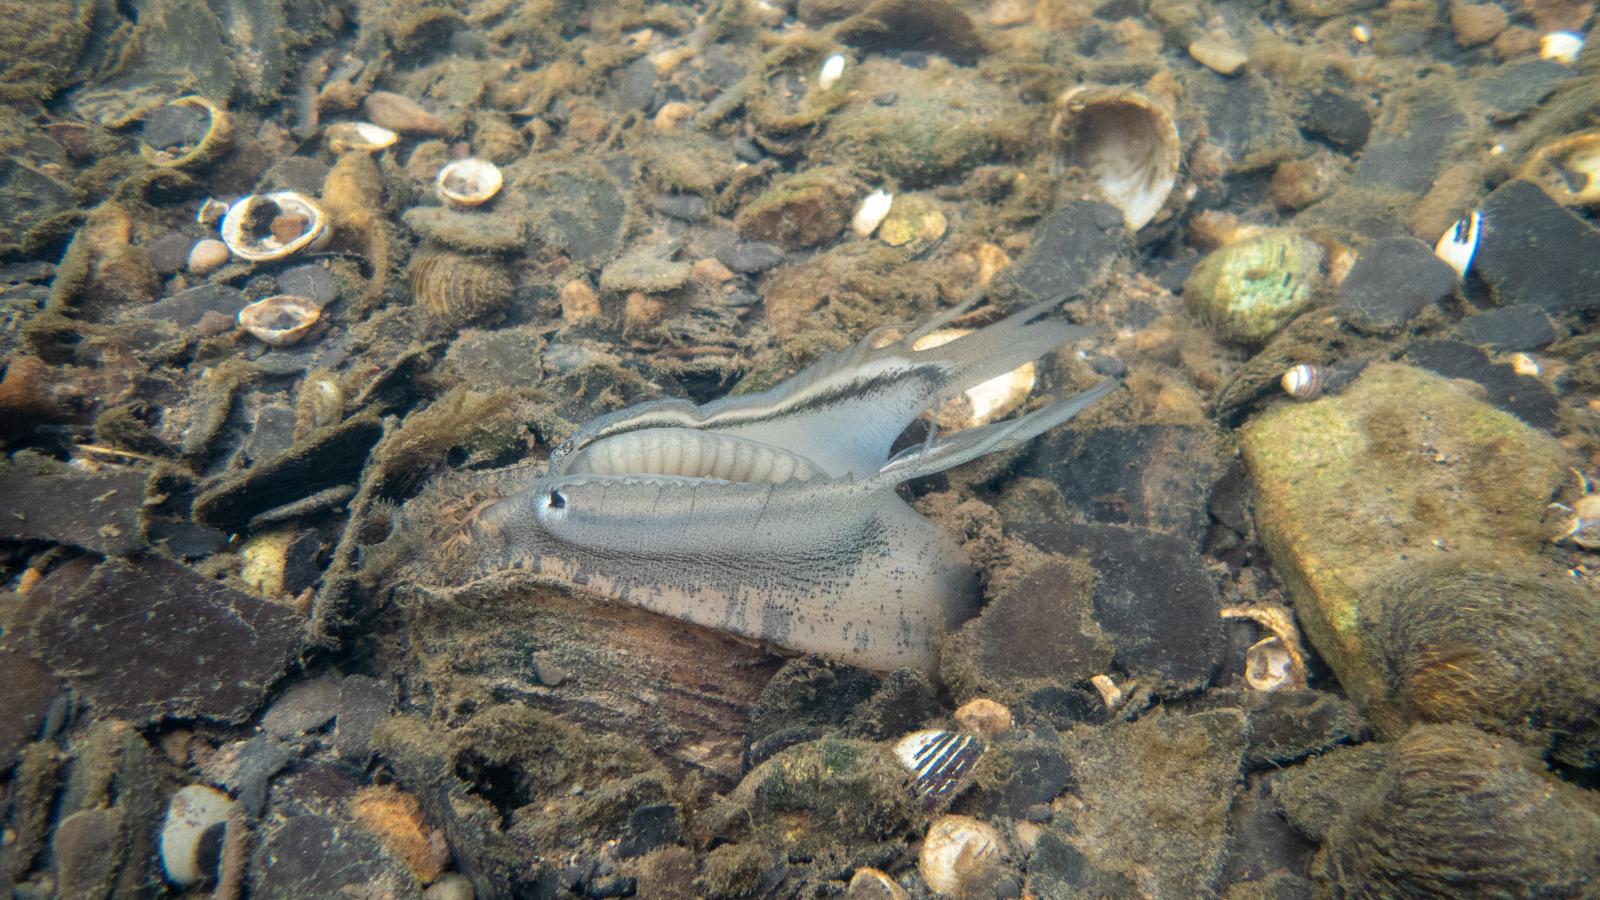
1298,183
991,259
642,311
667,60
208,255
1516,41
1009,13
213,323
400,113
1218,52
673,114
1110,694
450,886
395,819
337,97
984,717
1477,23
579,302
710,271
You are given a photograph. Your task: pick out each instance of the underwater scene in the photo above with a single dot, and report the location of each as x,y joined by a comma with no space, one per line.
862,449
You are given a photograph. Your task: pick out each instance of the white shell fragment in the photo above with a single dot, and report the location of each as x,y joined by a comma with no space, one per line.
194,811
955,848
1459,243
280,320
871,213
210,212
1561,46
364,137
1126,142
870,882
468,182
1303,382
261,227
938,759
1268,665
1110,694
832,71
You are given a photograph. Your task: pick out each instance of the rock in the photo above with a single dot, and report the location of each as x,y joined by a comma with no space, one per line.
1532,251
395,819
984,718
1391,282
1248,118
1018,770
1390,817
1152,598
1134,780
1286,726
363,703
187,307
1261,843
1219,52
1512,92
736,870
472,231
749,257
312,855
1406,465
1338,120
1077,245
1040,631
207,256
89,849
504,357
330,457
650,827
936,27
1059,869
169,642
1477,23
30,689
169,253
193,834
50,501
820,793
246,768
400,113
806,698
1247,290
798,211
313,282
581,214
1507,328
1151,476
305,707
1524,396
650,269
687,207
1416,135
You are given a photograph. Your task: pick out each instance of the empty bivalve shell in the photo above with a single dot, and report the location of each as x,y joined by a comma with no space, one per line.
468,182
280,320
1126,142
364,137
172,148
262,227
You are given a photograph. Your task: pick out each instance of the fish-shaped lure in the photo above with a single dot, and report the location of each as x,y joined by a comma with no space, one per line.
775,515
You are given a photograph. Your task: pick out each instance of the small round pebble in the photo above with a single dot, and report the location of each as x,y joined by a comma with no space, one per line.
984,717
208,256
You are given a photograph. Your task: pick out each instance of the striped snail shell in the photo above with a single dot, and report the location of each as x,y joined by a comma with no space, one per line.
1303,382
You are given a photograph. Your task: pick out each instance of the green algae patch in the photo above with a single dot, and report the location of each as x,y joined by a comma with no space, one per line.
1401,469
1248,290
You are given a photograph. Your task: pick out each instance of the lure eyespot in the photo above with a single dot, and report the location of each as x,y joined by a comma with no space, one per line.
558,500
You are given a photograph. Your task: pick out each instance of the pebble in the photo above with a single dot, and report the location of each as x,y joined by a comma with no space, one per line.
188,307
750,257
1508,328
649,269
579,302
170,252
1338,120
397,112
984,717
1534,251
303,708
710,271
1477,23
1075,246
687,207
312,282
1219,52
207,256
1391,282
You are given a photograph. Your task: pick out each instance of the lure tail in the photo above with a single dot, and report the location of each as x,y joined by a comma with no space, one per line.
965,446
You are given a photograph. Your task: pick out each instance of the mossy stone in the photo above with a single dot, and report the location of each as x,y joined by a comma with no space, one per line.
1247,290
822,792
1356,488
39,46
802,210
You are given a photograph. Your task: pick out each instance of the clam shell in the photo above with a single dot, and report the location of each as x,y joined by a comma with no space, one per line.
453,289
870,214
955,848
468,182
937,759
1126,142
219,132
363,137
1568,169
249,229
194,811
280,320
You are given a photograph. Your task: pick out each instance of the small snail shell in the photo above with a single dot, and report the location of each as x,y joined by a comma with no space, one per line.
1303,382
468,182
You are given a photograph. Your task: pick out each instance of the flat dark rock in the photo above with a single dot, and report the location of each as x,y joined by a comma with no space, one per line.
1392,281
1338,120
1152,598
1042,627
1523,396
98,512
1513,91
312,281
749,257
29,691
319,856
151,638
583,215
1508,328
331,457
187,307
1073,248
1418,130
1533,251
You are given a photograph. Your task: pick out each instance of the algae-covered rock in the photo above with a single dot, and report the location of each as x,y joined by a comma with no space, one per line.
1355,489
802,210
1445,811
1249,289
940,123
829,791
40,44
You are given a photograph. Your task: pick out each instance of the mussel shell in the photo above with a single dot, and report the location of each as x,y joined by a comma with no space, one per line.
245,241
452,289
280,320
468,182
219,132
1126,142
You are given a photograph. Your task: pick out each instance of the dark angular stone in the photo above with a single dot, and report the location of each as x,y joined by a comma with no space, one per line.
1523,396
1338,120
363,703
1418,130
807,695
1016,774
1513,91
750,257
169,253
584,214
313,282
51,502
637,85
1508,328
319,856
1041,628
1058,869
151,638
649,827
1534,251
1152,597
1245,116
187,307
1073,248
1392,281
1260,842
303,708
332,457
29,690
688,207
